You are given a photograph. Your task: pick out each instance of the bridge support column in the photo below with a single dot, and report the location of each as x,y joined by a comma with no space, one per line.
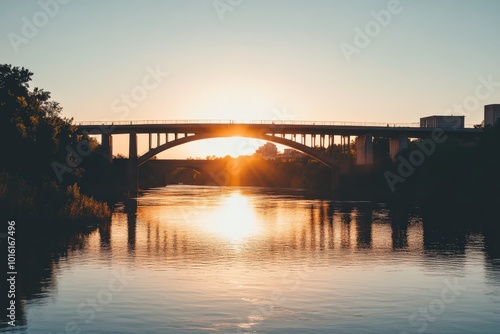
364,148
107,146
331,145
132,166
396,145
346,146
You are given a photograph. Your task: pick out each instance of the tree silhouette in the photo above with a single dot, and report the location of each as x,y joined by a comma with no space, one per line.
33,136
32,132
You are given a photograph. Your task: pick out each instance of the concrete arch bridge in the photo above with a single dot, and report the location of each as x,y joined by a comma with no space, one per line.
302,136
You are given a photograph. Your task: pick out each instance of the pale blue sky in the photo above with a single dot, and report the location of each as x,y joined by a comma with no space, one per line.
265,55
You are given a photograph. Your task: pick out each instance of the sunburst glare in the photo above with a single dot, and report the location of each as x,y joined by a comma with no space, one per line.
234,219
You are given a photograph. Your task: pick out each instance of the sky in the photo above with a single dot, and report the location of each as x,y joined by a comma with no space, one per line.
316,60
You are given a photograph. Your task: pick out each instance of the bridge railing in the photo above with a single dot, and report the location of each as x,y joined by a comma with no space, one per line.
263,122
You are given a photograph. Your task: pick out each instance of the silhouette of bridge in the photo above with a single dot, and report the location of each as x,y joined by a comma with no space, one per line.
304,136
218,171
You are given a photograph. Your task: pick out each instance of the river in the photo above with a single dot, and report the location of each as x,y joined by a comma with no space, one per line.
252,260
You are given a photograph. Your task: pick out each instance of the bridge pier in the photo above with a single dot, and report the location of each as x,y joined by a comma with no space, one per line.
132,166
364,150
396,145
331,141
107,146
345,142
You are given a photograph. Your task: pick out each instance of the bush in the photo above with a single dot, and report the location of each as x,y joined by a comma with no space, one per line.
32,203
83,209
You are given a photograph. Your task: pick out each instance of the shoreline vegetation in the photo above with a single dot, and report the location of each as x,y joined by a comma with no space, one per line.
459,180
35,138
27,202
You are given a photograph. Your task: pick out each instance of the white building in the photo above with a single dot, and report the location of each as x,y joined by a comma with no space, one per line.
444,122
491,114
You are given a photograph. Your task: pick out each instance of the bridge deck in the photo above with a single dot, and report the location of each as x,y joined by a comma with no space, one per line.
249,129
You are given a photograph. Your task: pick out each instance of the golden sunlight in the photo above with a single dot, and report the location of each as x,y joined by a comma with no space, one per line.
234,220
219,147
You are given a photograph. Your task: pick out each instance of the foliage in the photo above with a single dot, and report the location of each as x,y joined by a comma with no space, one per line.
31,123
34,136
83,209
458,179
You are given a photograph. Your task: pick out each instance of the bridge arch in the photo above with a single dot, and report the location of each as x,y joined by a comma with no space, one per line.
323,158
210,170
184,174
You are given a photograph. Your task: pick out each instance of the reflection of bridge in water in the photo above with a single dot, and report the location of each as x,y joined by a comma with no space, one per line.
344,232
302,136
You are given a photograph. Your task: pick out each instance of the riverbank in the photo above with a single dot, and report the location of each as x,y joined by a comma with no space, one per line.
48,204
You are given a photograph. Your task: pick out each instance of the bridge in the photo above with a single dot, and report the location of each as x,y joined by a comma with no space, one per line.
300,135
219,171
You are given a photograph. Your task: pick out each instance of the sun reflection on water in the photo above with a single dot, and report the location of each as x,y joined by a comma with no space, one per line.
234,219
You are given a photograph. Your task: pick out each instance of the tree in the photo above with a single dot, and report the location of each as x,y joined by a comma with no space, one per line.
32,132
34,136
267,151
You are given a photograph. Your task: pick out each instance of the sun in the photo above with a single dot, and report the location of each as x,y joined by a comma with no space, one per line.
234,220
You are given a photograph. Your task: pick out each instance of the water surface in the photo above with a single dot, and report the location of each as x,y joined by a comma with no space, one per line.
237,260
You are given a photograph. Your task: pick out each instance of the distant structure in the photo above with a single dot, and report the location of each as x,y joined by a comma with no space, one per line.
443,122
268,151
290,153
491,114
